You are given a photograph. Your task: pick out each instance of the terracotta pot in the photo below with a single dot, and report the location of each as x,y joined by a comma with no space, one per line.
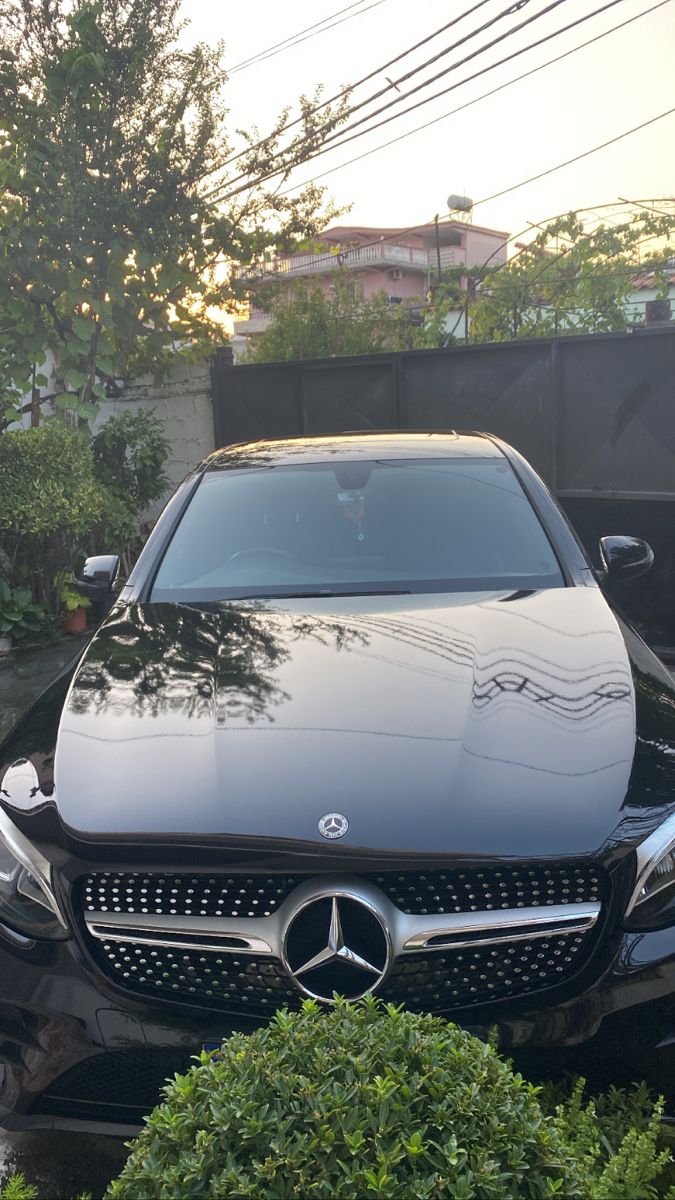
76,621
5,644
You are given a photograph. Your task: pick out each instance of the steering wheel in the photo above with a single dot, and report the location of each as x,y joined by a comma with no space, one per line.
259,550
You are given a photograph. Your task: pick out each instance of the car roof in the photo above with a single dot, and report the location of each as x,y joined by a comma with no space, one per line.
353,446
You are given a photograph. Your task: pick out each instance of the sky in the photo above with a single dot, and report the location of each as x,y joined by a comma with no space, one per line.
622,80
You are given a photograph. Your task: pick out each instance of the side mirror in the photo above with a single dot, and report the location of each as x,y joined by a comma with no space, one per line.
624,557
99,575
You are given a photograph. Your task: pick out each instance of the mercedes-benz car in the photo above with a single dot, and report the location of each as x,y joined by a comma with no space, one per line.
361,719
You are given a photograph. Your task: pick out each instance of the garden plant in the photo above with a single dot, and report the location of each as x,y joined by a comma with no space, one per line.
368,1100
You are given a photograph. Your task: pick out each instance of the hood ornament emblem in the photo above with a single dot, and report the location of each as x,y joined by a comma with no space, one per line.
333,825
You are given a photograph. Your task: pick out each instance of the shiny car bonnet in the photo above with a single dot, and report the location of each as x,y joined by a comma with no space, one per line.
471,724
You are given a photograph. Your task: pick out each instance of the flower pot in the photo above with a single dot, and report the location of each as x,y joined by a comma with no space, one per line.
76,621
5,644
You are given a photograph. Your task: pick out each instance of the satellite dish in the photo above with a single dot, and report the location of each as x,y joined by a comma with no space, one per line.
460,203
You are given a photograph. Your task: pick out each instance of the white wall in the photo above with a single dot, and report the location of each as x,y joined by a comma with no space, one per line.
183,405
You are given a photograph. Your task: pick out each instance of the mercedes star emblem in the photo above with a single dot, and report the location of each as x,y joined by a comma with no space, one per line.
333,825
336,944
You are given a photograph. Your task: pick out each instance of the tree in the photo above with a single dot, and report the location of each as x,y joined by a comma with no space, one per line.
114,246
310,322
568,279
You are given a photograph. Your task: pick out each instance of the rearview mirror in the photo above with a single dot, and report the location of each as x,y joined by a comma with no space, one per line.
624,557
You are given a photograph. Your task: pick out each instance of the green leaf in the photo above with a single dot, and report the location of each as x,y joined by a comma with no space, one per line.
83,328
76,379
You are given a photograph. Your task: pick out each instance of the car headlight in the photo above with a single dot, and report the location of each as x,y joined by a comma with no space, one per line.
652,904
27,902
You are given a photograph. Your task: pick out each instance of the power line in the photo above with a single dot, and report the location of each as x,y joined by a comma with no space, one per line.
578,157
511,238
390,84
505,12
585,154
352,86
404,95
502,37
476,75
290,41
485,95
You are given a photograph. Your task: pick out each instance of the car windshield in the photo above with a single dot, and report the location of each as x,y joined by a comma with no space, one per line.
353,527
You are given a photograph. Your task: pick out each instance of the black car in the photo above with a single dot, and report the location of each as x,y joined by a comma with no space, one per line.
361,718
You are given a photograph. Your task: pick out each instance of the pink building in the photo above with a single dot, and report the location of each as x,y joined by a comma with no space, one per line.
401,263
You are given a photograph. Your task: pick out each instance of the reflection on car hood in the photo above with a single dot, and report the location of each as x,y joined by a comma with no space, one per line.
486,723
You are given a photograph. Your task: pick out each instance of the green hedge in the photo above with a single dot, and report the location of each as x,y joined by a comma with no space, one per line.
63,496
365,1101
49,503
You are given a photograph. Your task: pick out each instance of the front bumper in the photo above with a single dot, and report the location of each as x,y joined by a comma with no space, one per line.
78,1053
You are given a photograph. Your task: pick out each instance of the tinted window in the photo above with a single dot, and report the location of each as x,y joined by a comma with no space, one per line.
396,525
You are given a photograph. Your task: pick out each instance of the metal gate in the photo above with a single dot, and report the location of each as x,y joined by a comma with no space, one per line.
594,414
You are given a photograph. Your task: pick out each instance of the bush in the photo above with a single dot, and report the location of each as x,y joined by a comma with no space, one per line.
130,452
129,456
373,1101
63,496
356,1102
49,504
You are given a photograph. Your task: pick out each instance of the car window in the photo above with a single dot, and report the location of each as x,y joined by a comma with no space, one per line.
382,525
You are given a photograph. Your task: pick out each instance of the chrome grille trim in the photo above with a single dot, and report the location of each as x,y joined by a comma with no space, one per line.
253,935
489,928
410,933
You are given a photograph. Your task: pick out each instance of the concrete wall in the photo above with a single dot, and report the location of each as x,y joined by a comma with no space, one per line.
183,405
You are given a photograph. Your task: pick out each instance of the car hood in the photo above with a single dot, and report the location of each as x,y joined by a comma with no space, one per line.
477,724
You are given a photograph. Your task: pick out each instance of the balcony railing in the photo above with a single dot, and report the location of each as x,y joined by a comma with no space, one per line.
381,254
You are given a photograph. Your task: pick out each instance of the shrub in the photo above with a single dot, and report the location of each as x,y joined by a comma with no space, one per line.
18,1188
49,503
130,452
361,1101
63,496
373,1101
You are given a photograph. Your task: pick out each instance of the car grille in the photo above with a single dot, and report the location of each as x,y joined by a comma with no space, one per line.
424,982
119,1085
429,981
481,974
452,890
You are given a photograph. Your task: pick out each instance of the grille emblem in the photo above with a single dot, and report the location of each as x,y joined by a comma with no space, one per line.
336,943
333,825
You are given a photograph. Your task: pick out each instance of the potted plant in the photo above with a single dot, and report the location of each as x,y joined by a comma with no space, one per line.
73,604
18,616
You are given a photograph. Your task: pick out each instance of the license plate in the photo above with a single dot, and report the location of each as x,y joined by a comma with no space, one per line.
211,1047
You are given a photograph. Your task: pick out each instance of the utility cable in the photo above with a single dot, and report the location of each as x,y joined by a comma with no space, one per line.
578,157
549,263
278,47
352,86
342,139
469,78
550,170
476,100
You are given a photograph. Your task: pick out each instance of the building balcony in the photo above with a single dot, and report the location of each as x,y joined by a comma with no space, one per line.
381,254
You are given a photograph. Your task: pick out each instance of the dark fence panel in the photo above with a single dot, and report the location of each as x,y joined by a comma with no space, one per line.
356,397
504,389
595,416
616,416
